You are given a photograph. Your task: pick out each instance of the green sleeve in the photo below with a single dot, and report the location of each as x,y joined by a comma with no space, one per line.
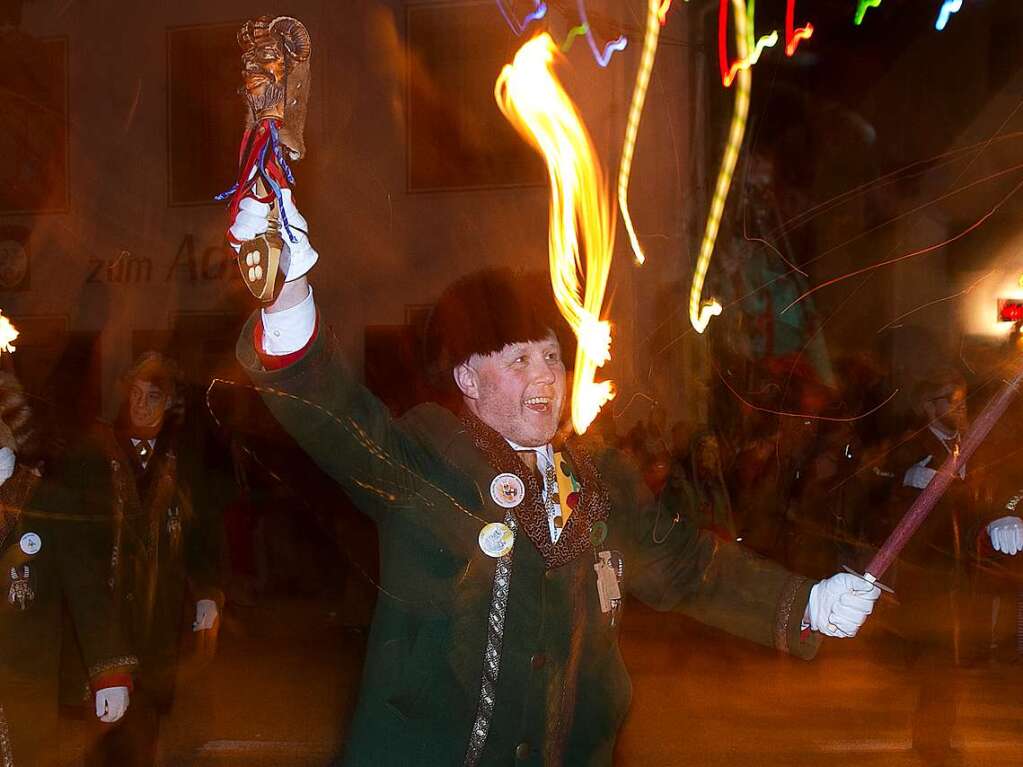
677,567
346,430
66,510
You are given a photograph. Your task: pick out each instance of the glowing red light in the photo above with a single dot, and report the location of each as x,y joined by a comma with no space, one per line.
1010,311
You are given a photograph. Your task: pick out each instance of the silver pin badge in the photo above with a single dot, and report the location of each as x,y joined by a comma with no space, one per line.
30,544
496,539
507,490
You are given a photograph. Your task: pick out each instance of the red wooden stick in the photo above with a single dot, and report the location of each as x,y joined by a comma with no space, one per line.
939,483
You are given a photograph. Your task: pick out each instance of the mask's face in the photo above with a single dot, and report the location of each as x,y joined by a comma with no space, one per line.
518,391
147,407
263,70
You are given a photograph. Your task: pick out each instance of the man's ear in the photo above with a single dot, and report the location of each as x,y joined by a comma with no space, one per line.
467,380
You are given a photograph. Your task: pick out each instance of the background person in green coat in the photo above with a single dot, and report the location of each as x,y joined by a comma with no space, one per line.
161,546
505,550
46,559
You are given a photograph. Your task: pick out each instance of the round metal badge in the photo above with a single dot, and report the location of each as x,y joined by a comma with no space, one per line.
30,544
496,539
598,533
507,490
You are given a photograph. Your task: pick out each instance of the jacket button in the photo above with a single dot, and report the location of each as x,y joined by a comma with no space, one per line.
538,660
522,751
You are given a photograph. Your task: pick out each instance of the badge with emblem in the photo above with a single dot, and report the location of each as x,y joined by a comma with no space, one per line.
496,539
30,544
20,592
507,490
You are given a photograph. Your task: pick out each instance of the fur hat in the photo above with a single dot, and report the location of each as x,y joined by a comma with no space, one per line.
16,427
485,311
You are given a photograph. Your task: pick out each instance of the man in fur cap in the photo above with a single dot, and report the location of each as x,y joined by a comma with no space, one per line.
504,553
46,560
160,546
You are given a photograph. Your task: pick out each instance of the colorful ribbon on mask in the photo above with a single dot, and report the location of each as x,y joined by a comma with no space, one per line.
261,157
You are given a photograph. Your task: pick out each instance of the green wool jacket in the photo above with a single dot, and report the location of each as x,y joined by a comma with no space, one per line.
68,567
158,546
562,690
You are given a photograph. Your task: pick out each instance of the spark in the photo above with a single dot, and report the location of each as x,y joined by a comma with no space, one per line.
947,9
930,248
581,212
8,334
701,311
952,297
538,12
646,66
805,416
603,58
794,36
862,8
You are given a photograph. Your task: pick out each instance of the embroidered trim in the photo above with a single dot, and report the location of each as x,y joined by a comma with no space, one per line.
594,505
120,662
785,603
6,749
492,653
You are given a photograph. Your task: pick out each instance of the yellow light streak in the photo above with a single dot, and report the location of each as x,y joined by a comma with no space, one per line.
646,66
701,311
8,334
581,212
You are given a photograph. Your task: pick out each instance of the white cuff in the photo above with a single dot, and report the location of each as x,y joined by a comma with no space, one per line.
290,330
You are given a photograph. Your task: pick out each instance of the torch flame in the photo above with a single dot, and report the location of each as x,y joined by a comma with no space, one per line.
8,333
581,212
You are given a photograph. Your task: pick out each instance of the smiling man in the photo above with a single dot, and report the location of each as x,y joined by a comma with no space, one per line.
506,550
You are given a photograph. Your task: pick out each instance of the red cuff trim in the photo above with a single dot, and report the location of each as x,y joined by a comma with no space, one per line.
106,681
280,361
804,634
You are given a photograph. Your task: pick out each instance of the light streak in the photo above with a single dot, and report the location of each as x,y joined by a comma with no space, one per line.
8,334
573,33
862,8
662,12
794,36
947,9
581,212
646,66
603,58
743,60
538,12
701,311
922,251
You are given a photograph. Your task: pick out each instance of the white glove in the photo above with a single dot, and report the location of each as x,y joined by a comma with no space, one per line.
7,461
111,703
251,221
205,615
839,605
918,475
1007,535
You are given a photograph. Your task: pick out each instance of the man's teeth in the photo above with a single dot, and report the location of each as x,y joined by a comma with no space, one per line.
538,401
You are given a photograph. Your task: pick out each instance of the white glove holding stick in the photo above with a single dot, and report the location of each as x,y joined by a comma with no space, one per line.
839,605
252,220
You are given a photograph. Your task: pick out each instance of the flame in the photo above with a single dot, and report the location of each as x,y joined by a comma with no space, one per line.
654,20
701,311
8,333
581,212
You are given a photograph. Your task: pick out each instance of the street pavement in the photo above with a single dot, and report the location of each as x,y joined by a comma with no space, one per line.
281,687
